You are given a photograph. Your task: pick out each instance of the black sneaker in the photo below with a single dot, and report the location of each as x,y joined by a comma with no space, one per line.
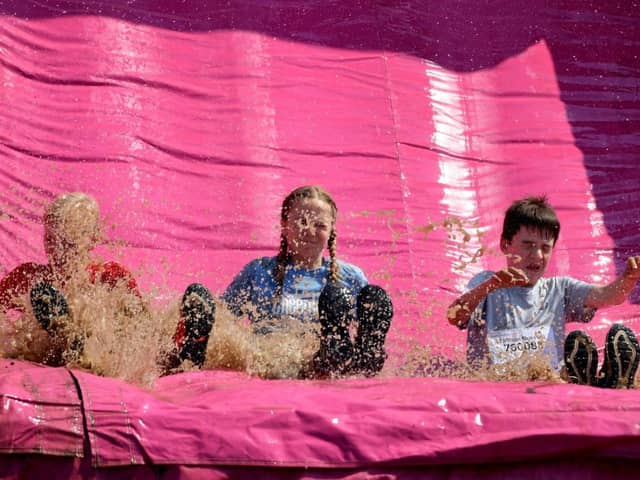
336,350
374,314
48,304
620,358
580,358
51,309
198,314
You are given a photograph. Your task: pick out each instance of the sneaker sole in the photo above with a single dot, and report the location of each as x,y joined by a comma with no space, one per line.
582,374
624,359
335,353
198,311
48,304
198,304
374,314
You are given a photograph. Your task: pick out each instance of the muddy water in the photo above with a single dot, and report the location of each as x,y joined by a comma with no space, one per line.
124,336
112,332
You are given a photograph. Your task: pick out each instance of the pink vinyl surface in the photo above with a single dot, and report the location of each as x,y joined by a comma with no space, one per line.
190,121
221,419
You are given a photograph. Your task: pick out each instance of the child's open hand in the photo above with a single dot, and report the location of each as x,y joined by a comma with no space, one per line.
633,268
511,277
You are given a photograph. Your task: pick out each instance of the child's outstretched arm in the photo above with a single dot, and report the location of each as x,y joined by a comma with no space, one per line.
459,312
617,291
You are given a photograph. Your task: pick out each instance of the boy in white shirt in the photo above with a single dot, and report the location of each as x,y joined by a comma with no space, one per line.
517,309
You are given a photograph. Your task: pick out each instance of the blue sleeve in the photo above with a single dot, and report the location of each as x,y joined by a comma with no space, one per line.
352,277
238,293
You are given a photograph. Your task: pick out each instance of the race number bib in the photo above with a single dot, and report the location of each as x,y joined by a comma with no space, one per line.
506,345
301,307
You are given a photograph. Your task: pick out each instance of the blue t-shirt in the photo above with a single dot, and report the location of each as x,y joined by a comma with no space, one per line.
252,291
512,320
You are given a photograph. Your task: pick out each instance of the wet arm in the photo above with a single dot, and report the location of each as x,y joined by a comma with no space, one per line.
459,312
17,283
617,291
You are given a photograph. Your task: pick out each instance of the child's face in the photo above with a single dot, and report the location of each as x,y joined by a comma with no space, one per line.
529,250
60,250
307,228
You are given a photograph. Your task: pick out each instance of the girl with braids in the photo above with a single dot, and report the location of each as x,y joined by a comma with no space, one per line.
300,284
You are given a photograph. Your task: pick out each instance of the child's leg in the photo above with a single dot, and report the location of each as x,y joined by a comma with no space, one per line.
51,310
374,313
336,350
197,312
621,358
580,358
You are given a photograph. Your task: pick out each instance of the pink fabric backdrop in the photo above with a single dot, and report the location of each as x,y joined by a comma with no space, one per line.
190,121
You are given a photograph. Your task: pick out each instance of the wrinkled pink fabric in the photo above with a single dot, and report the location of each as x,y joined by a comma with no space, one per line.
228,420
190,121
41,410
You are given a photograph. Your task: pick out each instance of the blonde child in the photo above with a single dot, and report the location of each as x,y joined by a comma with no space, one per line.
71,230
300,284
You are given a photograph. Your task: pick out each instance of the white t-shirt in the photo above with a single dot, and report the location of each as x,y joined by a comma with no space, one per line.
510,321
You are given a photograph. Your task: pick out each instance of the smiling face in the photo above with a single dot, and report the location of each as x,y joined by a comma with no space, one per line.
307,227
529,250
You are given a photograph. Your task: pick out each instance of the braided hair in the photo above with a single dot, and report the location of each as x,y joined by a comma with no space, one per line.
303,193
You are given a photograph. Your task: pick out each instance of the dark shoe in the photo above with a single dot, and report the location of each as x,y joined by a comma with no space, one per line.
336,350
48,304
620,358
580,358
374,314
51,310
198,314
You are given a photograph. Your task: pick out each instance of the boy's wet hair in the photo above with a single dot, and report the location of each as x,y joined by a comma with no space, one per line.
75,217
303,193
531,212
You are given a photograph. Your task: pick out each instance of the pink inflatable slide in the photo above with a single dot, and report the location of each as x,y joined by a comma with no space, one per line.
189,122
